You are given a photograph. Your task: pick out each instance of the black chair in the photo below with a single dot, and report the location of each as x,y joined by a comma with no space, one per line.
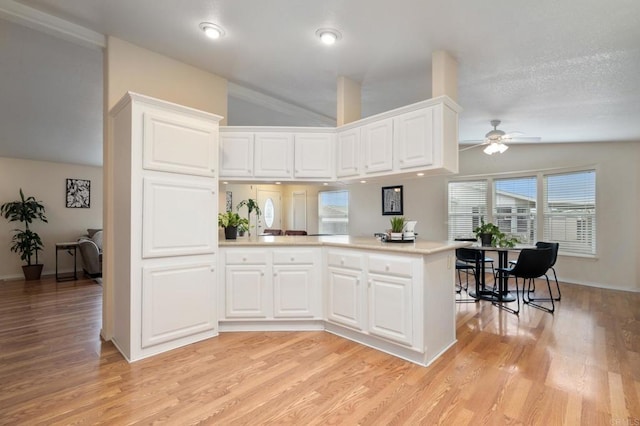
485,260
531,264
467,260
272,232
294,232
554,249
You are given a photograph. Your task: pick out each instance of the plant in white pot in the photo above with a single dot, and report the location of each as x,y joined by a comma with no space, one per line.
26,242
397,226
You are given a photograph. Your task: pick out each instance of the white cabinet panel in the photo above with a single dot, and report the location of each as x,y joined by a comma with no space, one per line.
377,141
390,308
273,155
246,292
177,301
348,153
294,291
179,144
313,155
187,202
413,138
236,154
345,297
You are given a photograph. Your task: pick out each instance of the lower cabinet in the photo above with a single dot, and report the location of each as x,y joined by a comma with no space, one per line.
271,284
344,300
390,308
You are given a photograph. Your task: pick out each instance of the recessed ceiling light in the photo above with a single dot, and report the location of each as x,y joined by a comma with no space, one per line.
325,184
226,183
278,183
363,181
212,30
328,35
420,174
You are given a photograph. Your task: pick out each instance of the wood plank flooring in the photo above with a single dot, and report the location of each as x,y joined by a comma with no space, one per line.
578,366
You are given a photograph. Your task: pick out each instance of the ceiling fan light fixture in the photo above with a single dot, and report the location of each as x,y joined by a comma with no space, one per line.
495,147
328,36
212,31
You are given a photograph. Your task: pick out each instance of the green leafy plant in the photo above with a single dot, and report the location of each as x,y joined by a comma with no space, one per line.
25,242
498,238
232,219
252,205
397,224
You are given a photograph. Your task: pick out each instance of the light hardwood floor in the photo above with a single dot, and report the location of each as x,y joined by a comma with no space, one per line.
578,366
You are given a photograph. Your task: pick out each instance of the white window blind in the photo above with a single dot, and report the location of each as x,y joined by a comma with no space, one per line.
514,208
467,204
570,211
333,212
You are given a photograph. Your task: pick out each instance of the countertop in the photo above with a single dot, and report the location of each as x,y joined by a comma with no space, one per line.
367,243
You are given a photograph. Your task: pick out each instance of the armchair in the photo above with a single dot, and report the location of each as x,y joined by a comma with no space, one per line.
90,247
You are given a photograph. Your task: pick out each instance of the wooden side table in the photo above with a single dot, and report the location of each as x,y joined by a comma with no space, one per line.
68,247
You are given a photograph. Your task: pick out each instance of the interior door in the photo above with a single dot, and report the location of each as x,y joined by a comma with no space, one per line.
300,210
270,203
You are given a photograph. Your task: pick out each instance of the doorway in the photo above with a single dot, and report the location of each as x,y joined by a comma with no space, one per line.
299,214
270,203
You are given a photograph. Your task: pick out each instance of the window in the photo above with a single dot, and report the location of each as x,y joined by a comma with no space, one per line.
467,204
570,211
515,207
333,212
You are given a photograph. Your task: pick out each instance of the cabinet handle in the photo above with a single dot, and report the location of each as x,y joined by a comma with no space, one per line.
401,161
262,274
386,267
341,261
275,274
369,282
244,259
293,259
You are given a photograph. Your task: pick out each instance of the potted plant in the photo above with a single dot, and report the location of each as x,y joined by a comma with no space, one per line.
26,242
252,205
231,221
490,235
397,225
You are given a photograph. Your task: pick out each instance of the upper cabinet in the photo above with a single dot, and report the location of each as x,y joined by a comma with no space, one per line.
418,138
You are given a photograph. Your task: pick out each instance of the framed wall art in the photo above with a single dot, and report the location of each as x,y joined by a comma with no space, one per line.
78,193
392,200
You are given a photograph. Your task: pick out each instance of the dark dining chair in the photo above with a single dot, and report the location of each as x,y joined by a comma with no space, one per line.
554,248
272,231
467,260
531,264
486,260
294,232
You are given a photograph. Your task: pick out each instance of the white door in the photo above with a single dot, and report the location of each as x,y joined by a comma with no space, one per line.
390,305
299,210
270,203
344,304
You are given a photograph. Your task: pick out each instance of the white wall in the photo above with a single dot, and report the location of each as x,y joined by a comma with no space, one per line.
617,198
46,181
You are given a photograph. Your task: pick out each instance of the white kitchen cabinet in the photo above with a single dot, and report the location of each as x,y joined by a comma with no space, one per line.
377,144
414,139
273,155
296,284
348,153
346,289
314,157
247,291
164,281
236,154
390,308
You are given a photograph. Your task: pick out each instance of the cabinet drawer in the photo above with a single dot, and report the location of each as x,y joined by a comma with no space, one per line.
293,257
390,265
345,260
246,257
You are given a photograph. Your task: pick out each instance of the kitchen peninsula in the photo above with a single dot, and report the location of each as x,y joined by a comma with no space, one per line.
395,297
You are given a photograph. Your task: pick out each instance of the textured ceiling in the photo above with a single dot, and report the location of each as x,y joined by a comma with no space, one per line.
562,71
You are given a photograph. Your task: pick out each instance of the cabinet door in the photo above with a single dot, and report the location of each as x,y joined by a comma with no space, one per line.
177,301
345,301
236,154
348,153
377,140
414,138
390,308
246,292
191,201
313,155
178,143
273,155
295,291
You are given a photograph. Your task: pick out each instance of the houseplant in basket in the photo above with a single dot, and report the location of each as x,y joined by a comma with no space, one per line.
26,242
231,221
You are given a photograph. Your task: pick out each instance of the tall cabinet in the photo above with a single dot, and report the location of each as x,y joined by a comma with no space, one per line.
165,229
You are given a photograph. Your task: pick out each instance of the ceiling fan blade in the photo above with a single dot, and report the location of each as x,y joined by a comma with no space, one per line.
466,148
523,139
511,135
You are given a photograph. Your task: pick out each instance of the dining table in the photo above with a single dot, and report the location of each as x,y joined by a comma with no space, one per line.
500,292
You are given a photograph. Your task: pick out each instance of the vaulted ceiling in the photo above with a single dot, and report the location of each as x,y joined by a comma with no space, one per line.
563,71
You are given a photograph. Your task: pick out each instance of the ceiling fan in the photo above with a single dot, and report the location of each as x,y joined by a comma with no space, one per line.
495,140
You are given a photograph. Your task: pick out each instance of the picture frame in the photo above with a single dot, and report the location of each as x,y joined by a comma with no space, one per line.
229,201
392,202
78,193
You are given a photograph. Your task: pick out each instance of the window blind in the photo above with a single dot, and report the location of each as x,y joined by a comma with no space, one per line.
514,207
570,211
467,203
